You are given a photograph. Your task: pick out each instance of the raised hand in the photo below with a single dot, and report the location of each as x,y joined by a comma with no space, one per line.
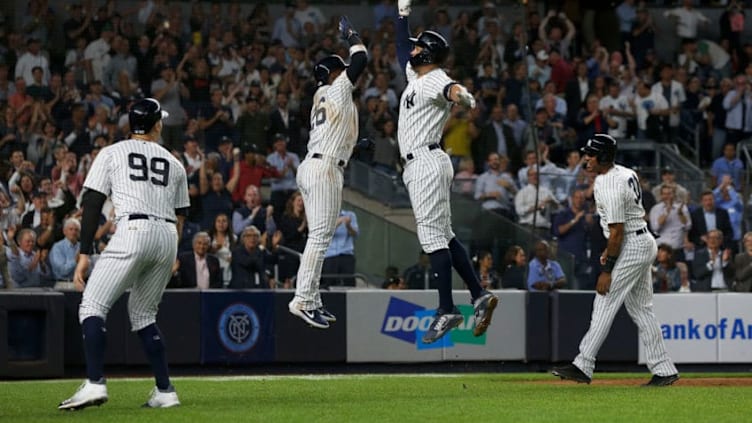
404,7
346,29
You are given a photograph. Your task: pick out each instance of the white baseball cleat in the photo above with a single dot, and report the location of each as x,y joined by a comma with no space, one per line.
160,399
88,394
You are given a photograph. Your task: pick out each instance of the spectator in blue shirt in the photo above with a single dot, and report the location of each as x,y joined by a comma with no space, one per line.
544,274
27,266
64,252
339,259
728,164
727,198
286,163
571,226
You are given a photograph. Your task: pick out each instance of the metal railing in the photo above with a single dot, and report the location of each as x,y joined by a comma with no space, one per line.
384,187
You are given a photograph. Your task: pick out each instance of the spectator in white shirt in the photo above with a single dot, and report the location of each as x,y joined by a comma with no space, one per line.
31,59
618,108
687,18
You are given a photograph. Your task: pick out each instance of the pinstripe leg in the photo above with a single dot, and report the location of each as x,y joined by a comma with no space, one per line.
111,275
639,304
322,197
160,249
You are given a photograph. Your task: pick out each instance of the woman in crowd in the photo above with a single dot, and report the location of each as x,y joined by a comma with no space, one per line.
515,269
666,276
294,228
222,244
489,278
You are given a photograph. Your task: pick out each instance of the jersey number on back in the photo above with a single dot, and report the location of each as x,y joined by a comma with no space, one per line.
319,115
635,185
159,168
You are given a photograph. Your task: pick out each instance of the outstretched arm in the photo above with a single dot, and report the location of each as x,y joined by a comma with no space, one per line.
358,56
404,46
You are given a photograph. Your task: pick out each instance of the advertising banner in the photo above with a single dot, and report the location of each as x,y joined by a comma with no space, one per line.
689,325
387,326
237,326
734,328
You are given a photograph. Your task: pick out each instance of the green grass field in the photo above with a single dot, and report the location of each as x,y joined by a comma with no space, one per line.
390,398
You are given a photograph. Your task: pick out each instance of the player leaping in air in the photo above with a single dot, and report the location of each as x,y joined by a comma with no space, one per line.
428,172
334,131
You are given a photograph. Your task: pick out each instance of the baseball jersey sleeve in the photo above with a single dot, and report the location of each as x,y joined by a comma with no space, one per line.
100,174
182,198
341,90
615,200
438,85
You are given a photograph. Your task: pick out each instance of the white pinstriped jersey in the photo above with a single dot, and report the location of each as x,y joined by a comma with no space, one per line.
334,119
141,177
618,198
424,109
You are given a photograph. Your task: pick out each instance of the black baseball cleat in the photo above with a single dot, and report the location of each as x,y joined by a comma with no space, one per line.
327,315
442,324
571,372
484,307
658,381
312,317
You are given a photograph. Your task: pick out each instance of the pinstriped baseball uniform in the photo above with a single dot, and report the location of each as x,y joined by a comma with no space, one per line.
424,110
334,131
618,199
144,179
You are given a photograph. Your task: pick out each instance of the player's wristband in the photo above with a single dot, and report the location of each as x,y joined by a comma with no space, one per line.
610,262
353,40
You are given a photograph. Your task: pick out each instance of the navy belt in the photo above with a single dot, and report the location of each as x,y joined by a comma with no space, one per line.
147,217
410,156
340,163
641,231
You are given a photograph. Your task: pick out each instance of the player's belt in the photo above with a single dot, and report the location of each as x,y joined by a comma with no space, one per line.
340,163
641,231
148,217
411,156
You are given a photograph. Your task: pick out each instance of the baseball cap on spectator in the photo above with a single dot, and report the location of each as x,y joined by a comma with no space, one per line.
542,55
32,40
249,148
225,139
667,169
189,138
280,137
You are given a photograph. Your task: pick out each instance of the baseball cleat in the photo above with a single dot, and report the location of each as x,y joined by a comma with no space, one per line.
327,315
484,307
442,324
571,372
88,394
162,399
662,380
312,317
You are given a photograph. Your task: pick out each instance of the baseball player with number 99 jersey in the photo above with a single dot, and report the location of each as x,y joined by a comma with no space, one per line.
149,190
625,275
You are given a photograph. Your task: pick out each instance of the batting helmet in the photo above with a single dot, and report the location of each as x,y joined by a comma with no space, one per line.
602,147
435,49
325,67
144,114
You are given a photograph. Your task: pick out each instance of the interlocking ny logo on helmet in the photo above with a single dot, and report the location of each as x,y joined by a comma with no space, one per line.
326,66
602,147
435,49
144,114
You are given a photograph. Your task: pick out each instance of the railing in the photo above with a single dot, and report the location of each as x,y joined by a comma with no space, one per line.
384,187
361,280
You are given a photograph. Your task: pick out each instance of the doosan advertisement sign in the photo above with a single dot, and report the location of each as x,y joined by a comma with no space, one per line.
705,328
387,326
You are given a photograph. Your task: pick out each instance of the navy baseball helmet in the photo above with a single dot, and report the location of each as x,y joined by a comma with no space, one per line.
435,49
144,114
602,147
325,67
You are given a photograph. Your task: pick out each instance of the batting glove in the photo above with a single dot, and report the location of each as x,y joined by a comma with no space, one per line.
404,7
466,99
346,29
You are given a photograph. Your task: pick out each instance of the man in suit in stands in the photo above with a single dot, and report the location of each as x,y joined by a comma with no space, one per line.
707,218
497,137
713,267
197,268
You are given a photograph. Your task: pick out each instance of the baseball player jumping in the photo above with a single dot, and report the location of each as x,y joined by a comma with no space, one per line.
334,131
625,273
149,190
428,172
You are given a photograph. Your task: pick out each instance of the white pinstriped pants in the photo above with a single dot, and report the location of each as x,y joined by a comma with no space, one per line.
139,256
428,178
320,182
632,285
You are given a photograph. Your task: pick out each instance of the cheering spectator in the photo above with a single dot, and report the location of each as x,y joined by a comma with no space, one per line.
64,253
712,267
253,213
339,259
250,262
496,188
26,264
666,276
198,268
286,164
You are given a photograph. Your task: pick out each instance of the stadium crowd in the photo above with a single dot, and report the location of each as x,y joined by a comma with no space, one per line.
237,84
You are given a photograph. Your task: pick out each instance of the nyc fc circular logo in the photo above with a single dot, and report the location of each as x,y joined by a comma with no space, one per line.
238,328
